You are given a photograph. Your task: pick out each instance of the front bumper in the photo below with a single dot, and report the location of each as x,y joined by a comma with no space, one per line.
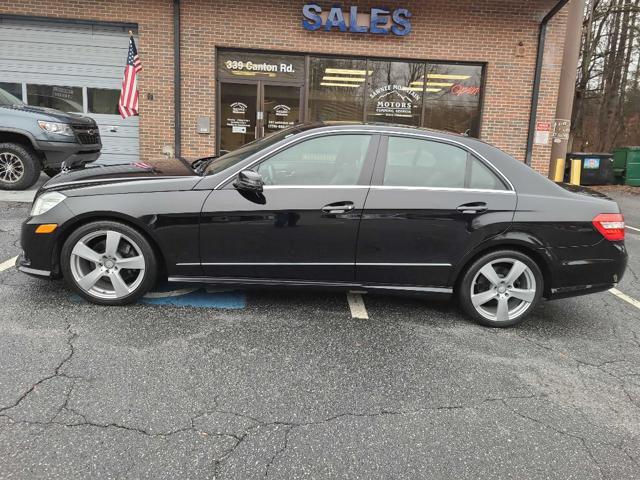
23,264
40,251
71,153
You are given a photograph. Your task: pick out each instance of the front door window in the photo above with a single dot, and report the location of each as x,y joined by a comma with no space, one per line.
328,160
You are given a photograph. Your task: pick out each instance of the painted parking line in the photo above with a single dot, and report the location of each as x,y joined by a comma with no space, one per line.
633,228
625,297
198,296
356,305
7,264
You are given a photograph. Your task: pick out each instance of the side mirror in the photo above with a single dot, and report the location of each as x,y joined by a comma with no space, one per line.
250,181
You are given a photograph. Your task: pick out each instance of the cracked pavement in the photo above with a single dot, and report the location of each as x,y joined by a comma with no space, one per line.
292,387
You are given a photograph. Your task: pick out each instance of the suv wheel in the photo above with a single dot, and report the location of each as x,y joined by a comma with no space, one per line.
19,167
501,288
108,263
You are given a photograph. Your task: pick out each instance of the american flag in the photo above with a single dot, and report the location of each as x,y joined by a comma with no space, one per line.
128,104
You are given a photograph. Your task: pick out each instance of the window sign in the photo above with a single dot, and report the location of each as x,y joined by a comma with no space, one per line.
379,21
260,66
393,96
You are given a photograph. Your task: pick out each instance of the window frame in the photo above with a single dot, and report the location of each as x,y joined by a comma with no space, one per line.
364,179
381,165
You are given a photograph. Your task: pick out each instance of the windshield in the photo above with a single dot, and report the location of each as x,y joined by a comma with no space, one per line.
232,158
7,99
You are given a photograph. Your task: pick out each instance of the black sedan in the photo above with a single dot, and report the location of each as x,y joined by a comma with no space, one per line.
366,207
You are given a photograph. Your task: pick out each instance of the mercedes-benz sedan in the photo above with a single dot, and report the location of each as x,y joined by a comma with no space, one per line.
366,207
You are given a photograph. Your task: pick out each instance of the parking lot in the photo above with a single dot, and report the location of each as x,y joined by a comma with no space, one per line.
197,382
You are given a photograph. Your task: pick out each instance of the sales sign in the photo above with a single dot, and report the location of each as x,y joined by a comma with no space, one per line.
380,21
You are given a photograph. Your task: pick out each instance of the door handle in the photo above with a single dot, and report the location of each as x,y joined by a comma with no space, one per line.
113,128
338,208
472,208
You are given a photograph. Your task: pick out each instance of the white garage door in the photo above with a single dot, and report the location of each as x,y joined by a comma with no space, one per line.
71,67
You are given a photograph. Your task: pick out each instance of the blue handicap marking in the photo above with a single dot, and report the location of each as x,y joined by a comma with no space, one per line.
191,295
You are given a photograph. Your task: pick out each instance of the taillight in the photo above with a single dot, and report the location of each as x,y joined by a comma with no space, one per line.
610,225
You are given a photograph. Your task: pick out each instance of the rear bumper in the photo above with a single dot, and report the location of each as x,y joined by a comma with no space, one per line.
584,270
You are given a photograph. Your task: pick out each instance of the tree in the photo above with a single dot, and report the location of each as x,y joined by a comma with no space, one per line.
606,108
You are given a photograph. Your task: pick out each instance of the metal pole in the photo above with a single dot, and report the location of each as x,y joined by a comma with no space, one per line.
566,90
176,80
537,75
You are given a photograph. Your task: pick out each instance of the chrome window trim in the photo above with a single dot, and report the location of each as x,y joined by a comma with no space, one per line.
444,189
423,136
280,187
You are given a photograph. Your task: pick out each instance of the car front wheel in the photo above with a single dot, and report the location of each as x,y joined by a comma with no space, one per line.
19,167
109,263
501,288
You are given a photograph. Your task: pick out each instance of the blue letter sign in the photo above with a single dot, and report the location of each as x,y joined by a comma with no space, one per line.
382,21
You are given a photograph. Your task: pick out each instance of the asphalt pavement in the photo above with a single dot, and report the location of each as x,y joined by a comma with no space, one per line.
204,383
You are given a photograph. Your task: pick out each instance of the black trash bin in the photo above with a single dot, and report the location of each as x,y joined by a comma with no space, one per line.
596,168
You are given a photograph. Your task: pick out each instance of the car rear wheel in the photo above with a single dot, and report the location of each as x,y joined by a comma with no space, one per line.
501,288
109,263
19,167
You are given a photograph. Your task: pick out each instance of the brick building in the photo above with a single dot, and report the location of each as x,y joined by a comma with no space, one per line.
247,68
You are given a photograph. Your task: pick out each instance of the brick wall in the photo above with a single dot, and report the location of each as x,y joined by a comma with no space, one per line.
155,46
471,30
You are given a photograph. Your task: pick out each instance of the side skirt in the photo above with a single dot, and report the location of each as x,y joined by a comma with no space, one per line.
267,282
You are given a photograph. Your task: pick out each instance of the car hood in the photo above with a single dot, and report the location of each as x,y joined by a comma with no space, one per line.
64,117
166,175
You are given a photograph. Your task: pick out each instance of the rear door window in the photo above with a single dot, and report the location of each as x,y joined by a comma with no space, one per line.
414,162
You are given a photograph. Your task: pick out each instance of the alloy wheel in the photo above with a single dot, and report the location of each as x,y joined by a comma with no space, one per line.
107,264
11,167
503,289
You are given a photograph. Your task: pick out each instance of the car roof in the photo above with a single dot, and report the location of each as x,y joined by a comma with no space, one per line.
380,127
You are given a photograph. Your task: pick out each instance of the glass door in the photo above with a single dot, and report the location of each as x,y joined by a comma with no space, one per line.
253,110
281,107
238,114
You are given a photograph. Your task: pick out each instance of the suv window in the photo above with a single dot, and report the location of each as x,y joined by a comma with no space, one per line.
413,162
10,93
327,160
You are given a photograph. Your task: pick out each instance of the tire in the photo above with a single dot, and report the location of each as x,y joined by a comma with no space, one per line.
51,172
93,261
509,296
19,166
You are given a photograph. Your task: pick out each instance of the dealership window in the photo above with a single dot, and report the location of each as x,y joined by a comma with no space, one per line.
336,89
395,92
103,100
452,98
261,91
66,99
14,89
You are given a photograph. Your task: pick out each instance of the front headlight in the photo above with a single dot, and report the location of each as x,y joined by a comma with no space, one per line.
59,128
46,202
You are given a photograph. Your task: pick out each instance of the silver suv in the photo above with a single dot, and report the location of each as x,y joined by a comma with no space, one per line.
35,139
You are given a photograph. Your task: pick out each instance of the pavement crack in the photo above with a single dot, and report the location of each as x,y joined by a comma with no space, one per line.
71,337
280,451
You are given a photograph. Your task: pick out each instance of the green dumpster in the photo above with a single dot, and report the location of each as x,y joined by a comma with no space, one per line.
626,165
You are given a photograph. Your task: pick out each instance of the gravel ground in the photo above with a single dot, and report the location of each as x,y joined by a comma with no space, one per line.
290,386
